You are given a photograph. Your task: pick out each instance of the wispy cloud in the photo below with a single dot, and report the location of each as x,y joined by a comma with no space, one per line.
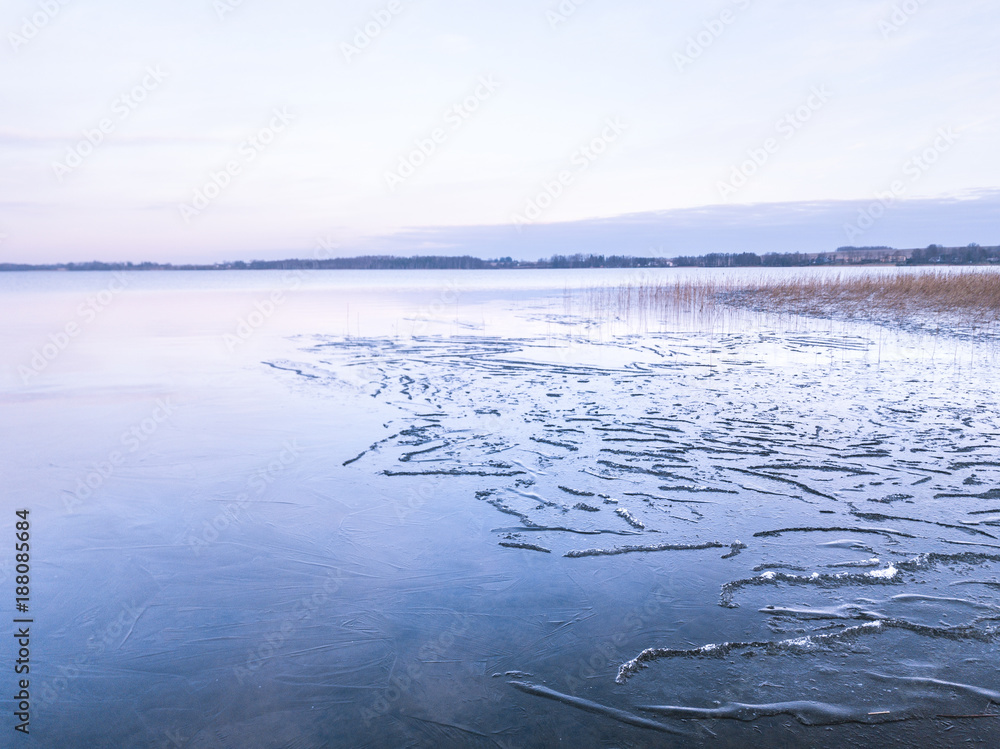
102,120
806,226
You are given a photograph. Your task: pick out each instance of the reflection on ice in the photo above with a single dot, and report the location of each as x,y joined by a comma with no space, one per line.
692,440
502,487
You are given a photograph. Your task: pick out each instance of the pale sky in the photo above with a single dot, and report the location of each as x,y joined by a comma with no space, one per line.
622,111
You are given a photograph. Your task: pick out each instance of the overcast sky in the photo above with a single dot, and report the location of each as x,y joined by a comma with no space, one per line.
220,129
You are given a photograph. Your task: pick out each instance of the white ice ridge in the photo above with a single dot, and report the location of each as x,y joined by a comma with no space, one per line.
629,518
651,547
826,579
978,630
873,562
887,574
648,655
805,711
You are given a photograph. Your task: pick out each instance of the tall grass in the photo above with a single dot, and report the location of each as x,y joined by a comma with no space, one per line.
964,301
973,297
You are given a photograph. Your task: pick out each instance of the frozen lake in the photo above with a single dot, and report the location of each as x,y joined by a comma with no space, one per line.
432,508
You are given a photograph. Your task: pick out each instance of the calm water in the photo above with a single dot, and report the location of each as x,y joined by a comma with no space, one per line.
281,509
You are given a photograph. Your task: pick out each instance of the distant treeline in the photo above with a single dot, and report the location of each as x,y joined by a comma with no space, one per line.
972,254
931,255
365,262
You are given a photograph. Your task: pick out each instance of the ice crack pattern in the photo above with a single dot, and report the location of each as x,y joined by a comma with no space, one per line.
851,481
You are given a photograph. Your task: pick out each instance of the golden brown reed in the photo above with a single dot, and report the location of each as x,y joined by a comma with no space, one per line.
968,299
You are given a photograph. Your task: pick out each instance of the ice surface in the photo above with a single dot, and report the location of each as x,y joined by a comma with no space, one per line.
377,501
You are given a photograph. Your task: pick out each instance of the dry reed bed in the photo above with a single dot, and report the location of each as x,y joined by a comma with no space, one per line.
965,300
